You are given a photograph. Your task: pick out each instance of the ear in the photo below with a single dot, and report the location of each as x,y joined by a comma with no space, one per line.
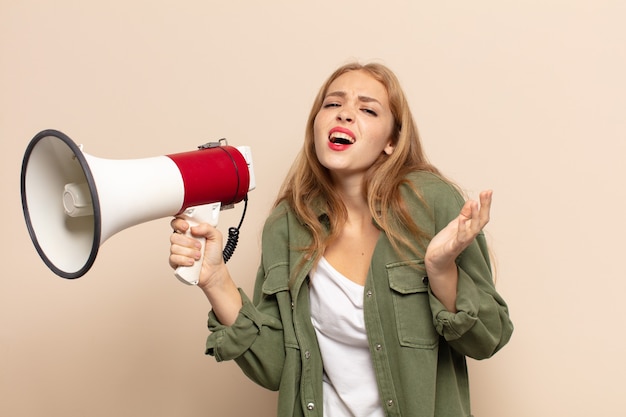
389,148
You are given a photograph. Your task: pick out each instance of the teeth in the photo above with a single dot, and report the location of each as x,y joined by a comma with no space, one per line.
339,137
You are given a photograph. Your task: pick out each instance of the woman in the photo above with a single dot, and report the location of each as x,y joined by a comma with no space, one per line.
375,281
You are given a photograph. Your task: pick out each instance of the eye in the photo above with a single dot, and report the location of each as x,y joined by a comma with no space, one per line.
370,111
331,104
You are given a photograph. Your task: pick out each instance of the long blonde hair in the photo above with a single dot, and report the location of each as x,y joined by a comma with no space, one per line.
308,182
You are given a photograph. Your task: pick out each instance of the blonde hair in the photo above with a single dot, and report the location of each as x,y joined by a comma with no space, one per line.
308,182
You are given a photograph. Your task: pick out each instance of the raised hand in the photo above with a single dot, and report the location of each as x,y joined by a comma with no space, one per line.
448,244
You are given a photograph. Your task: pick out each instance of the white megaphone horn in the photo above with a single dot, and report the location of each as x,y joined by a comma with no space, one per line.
73,202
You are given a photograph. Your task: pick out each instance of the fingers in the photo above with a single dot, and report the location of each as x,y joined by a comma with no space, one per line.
180,226
474,216
184,250
485,207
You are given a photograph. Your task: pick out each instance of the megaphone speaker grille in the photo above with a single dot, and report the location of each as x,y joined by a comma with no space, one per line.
68,245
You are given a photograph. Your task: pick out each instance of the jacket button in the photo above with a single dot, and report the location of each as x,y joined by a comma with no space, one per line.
307,354
310,406
389,403
379,346
369,293
425,280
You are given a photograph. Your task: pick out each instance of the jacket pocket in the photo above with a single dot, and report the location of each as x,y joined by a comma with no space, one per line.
276,279
409,285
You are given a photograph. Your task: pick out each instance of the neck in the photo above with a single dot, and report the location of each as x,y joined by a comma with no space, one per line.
351,192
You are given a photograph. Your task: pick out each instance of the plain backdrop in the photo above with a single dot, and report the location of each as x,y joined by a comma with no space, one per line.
524,97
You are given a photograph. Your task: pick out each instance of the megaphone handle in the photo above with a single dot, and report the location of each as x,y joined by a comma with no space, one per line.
208,213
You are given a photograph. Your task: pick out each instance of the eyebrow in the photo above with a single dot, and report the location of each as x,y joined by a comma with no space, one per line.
364,99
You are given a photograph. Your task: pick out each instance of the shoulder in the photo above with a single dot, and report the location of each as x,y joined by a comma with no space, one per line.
283,239
282,223
278,219
431,199
431,188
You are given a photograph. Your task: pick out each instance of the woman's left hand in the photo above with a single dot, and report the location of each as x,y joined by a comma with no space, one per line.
444,248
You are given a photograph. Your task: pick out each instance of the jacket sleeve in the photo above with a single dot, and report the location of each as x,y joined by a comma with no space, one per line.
256,340
481,326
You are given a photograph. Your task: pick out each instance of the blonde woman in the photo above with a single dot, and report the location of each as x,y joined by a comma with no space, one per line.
375,282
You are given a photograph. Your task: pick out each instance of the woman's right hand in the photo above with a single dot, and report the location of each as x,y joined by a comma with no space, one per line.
185,250
214,277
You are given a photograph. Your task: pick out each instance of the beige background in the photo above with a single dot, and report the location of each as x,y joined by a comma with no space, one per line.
525,97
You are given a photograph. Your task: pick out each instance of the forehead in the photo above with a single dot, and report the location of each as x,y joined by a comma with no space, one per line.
358,83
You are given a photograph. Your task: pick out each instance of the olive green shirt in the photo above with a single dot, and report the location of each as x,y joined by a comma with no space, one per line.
418,348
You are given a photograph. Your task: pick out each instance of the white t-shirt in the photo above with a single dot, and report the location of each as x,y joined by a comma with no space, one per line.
349,383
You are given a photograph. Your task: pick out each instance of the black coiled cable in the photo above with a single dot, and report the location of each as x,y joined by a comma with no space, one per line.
233,234
231,243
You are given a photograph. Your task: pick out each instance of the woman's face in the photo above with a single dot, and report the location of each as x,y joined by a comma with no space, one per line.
354,125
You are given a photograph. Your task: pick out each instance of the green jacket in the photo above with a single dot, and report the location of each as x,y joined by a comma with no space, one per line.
418,348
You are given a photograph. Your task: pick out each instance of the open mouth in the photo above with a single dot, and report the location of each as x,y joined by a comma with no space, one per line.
341,138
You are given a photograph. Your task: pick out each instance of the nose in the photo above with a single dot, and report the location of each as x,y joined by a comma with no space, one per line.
345,115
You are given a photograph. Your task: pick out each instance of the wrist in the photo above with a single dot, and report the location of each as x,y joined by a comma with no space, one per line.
438,267
215,280
443,281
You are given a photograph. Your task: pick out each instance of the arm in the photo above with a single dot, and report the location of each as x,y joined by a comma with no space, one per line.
481,325
447,245
251,333
466,308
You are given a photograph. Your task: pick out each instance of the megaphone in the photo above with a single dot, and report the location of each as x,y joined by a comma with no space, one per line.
73,202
